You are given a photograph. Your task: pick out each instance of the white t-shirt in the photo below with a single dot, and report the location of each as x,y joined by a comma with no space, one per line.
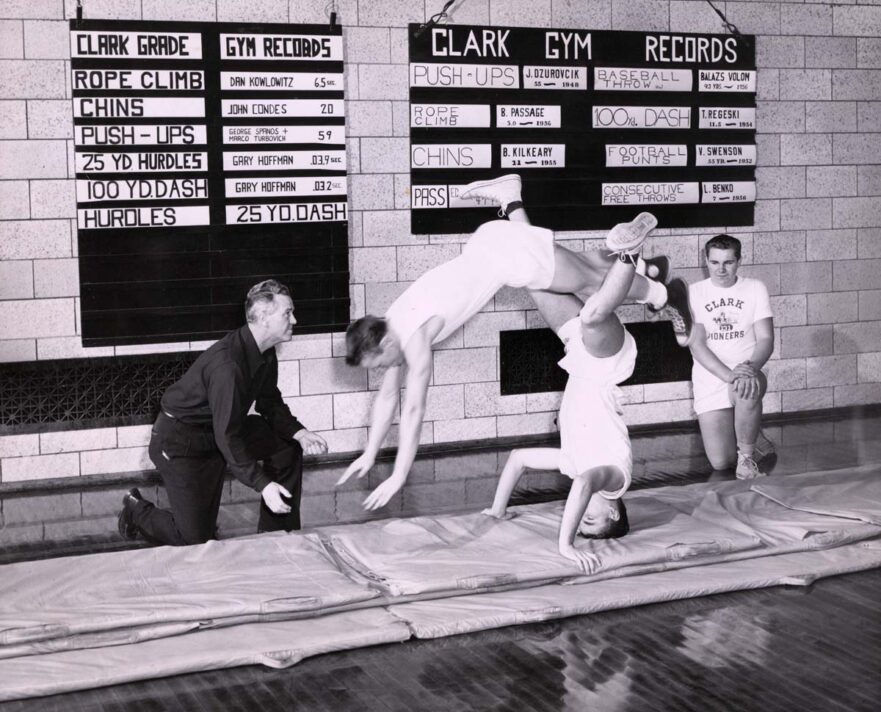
728,314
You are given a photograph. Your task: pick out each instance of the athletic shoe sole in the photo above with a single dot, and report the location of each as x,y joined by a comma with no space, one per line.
474,189
677,301
628,237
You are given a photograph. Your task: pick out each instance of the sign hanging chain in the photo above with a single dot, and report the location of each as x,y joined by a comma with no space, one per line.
730,26
331,10
435,19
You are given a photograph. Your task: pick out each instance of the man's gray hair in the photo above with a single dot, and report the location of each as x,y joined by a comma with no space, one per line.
261,298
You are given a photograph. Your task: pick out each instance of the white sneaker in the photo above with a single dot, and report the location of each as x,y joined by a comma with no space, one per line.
502,190
747,469
628,237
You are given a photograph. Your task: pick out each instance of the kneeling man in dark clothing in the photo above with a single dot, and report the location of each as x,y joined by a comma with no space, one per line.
204,427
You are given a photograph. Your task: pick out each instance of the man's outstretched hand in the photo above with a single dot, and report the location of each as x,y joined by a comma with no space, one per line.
272,494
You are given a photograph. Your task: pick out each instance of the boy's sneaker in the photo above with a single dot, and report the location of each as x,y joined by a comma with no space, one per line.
628,237
747,469
656,268
678,311
502,190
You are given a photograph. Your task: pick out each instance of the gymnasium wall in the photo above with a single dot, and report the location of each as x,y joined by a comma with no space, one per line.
816,241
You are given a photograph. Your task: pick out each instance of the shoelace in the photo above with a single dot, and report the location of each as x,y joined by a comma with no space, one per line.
749,464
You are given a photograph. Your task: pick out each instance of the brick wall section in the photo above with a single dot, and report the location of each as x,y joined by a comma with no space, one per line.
816,241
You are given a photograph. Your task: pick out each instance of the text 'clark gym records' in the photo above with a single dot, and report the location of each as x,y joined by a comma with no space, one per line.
601,125
208,156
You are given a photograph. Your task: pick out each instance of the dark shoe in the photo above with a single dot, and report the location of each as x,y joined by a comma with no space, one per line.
661,264
678,310
127,528
764,446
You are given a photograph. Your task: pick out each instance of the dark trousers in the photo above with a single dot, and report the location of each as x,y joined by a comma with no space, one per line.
192,470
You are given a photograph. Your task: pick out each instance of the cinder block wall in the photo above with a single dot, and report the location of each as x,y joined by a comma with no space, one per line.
816,241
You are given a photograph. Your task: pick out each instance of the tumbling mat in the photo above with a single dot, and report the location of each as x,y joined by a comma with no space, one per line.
194,585
281,644
468,614
473,551
855,494
686,541
276,645
671,528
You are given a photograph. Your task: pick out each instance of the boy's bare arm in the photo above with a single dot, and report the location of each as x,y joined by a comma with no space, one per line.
543,458
418,355
706,358
381,417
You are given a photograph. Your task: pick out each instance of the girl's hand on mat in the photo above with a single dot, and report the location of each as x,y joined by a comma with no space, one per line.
272,496
359,467
382,494
586,561
504,515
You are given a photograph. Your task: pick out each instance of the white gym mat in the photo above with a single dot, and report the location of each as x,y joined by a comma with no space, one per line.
151,613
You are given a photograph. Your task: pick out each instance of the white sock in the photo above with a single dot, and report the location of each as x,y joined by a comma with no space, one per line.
657,296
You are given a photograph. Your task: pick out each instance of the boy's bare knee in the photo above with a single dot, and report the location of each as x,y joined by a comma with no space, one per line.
746,405
591,314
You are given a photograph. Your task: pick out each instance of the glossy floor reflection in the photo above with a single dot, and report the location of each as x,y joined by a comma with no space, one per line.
814,648
771,650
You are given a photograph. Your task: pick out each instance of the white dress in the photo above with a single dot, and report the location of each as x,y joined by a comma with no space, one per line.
592,429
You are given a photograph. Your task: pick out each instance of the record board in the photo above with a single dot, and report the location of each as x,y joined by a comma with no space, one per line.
600,125
208,157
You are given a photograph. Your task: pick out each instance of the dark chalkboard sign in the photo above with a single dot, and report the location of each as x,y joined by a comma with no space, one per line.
528,358
601,125
208,156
